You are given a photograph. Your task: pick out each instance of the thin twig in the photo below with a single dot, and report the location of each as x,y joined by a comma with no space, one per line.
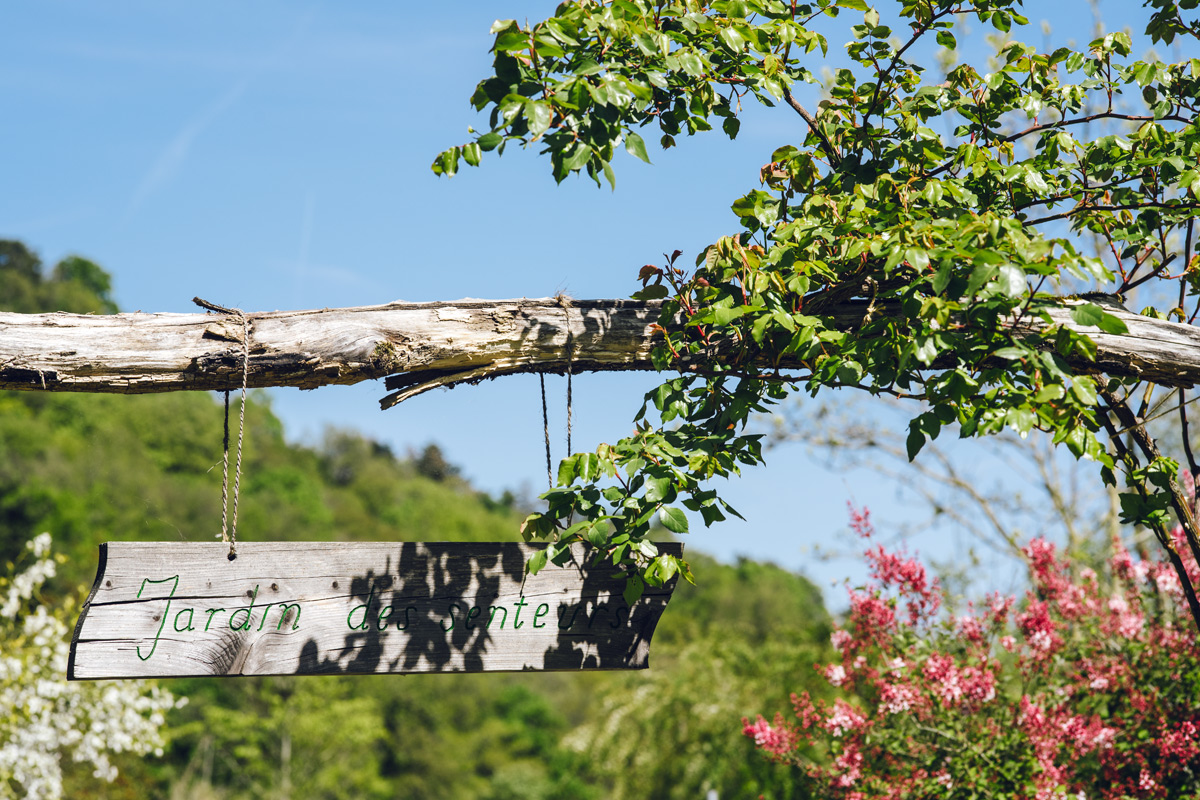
1084,120
1130,460
835,157
1127,207
1186,436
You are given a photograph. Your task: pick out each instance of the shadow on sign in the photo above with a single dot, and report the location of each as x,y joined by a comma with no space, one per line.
471,608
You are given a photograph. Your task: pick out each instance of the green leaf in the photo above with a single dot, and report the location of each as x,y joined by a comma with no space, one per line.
472,154
636,146
489,141
597,535
1112,324
1076,440
578,157
917,257
655,291
1094,316
1012,280
657,489
634,586
1084,388
537,561
647,548
915,440
447,163
538,115
610,176
667,567
1052,391
732,39
567,470
673,519
588,67
927,349
512,39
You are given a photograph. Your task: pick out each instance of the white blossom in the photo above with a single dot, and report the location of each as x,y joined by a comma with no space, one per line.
43,718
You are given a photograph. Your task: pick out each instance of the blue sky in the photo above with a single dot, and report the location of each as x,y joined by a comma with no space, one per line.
276,156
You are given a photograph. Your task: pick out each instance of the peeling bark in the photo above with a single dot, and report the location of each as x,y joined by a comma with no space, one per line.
425,345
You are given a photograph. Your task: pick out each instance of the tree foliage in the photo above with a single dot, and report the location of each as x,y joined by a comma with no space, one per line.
75,284
955,206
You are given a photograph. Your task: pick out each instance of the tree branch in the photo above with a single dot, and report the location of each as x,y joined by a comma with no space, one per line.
1062,123
1118,409
835,158
426,345
1126,207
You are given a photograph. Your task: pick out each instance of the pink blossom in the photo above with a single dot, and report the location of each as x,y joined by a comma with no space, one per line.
873,618
979,684
1039,628
1179,538
849,763
860,521
1086,735
999,607
896,698
1145,782
969,628
943,678
1125,621
1180,744
907,576
835,674
840,639
1121,561
1052,577
777,739
1008,643
1167,582
844,718
1031,713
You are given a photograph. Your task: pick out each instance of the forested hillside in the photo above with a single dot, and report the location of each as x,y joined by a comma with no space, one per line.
94,468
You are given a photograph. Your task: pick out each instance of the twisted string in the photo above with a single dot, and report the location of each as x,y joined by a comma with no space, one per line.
546,430
229,526
570,354
237,475
225,476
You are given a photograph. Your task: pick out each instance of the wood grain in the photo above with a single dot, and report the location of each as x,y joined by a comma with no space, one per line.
177,609
419,346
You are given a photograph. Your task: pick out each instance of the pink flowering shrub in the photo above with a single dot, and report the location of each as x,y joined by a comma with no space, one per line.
1087,687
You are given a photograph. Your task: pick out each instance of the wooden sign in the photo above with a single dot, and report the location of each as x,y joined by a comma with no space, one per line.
176,609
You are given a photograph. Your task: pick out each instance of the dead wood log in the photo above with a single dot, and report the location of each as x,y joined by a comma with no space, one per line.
419,346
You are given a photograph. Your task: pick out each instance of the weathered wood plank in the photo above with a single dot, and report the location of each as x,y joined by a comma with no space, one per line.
425,345
177,609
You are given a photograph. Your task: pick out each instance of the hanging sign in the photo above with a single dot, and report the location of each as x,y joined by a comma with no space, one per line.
176,609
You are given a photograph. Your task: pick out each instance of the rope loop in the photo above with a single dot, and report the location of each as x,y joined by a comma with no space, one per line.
565,303
229,526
